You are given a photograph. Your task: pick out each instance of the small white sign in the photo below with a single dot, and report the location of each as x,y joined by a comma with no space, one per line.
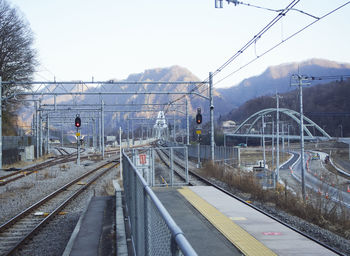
142,160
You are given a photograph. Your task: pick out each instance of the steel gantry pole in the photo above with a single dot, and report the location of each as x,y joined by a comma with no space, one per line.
37,130
187,125
132,133
47,133
33,126
128,122
102,130
120,154
94,133
174,128
62,134
99,135
0,124
41,132
212,142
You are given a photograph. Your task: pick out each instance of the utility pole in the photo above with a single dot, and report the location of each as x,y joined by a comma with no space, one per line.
263,139
277,139
273,143
300,84
288,137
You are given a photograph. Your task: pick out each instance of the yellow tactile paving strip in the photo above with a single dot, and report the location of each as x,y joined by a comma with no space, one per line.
246,243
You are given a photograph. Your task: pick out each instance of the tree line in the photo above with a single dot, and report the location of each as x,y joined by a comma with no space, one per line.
18,60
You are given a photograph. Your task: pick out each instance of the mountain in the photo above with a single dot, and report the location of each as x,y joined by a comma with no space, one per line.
114,119
277,79
225,100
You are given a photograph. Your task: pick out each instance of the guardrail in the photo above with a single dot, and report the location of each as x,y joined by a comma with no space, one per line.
153,230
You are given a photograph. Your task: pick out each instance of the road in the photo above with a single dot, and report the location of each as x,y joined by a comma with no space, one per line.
316,183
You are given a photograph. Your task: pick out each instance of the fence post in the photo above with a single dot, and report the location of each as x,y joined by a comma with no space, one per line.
171,167
186,161
146,225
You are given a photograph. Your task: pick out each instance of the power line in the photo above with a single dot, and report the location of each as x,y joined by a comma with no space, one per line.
257,36
283,41
281,14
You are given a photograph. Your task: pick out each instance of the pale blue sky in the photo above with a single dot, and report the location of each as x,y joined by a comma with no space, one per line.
78,39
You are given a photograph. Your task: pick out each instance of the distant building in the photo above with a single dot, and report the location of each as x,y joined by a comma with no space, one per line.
229,125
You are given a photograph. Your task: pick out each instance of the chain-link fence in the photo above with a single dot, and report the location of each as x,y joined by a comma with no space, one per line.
221,153
153,230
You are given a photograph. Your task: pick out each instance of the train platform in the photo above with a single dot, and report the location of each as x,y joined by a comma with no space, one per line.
95,231
217,224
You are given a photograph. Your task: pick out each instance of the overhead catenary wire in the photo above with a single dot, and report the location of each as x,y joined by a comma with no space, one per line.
283,41
252,41
277,10
281,14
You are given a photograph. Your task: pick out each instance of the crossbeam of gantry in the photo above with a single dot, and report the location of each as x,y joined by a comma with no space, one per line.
41,91
101,88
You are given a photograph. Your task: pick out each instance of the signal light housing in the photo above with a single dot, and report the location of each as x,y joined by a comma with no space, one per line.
199,116
77,122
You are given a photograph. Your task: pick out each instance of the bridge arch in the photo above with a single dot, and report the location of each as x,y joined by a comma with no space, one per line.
252,120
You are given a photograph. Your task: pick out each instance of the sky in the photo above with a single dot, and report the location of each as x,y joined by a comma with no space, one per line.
110,39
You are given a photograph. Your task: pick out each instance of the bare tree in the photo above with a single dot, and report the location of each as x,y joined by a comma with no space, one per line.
17,56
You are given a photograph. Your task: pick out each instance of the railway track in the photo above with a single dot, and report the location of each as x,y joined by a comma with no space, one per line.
196,179
65,157
179,169
16,231
62,151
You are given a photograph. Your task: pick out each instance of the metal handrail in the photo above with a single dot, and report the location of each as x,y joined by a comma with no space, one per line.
175,230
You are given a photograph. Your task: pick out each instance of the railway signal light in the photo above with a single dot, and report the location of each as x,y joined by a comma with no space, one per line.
77,122
199,116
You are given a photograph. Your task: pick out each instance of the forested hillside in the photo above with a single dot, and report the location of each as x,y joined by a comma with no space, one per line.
328,105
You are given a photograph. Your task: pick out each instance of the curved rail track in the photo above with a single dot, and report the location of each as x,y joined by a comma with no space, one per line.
193,181
15,232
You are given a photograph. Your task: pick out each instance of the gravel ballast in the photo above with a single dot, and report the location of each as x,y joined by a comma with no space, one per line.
20,194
